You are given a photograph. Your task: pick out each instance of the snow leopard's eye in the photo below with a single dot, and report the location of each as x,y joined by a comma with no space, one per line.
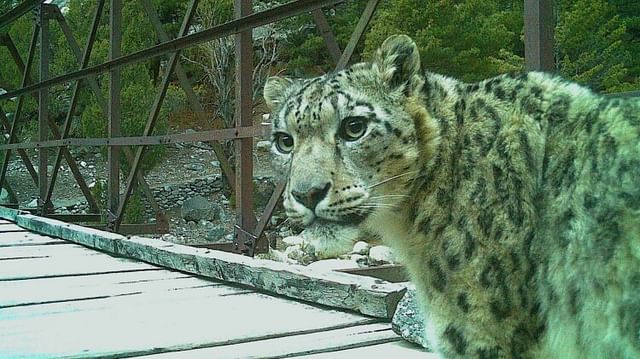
352,128
284,142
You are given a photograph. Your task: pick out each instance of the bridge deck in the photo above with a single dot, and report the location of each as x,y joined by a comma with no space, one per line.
59,299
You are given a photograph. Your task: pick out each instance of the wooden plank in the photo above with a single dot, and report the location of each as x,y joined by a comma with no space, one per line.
398,349
69,251
366,295
27,239
10,227
30,268
156,322
333,340
60,289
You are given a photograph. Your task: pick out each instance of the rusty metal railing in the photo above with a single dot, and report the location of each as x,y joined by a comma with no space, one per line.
249,229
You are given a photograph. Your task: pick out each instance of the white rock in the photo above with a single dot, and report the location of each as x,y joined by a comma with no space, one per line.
333,264
83,164
168,237
292,240
361,248
381,255
360,259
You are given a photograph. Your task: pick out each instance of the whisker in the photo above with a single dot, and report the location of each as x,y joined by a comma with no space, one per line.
377,206
391,178
390,196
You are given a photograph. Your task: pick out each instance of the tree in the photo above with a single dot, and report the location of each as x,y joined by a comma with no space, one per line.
215,60
591,49
471,39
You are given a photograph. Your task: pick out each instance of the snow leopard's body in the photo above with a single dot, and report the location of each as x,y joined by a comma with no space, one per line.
513,202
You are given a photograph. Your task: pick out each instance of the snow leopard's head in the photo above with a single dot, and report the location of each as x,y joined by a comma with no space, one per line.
347,140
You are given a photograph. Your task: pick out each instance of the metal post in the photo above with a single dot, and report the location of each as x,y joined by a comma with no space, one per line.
366,17
538,35
43,109
327,35
114,107
245,218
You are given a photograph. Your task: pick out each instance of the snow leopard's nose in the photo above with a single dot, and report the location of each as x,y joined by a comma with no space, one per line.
310,194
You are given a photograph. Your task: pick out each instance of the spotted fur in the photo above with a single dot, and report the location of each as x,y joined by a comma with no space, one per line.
513,202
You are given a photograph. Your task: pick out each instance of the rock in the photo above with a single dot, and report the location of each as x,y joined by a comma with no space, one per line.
361,247
381,255
198,208
4,196
32,204
333,264
408,322
229,237
264,146
292,240
203,223
168,237
194,166
66,203
215,234
215,164
361,260
83,164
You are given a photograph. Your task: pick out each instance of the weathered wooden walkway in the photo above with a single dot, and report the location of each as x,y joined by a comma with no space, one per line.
59,299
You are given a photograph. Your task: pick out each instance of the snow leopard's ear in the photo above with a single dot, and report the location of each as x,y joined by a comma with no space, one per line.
274,90
399,63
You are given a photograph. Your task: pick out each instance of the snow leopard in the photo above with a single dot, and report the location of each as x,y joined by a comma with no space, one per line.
513,202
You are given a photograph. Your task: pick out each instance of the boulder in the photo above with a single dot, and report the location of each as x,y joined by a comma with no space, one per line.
381,255
361,247
4,196
199,208
194,167
215,234
408,321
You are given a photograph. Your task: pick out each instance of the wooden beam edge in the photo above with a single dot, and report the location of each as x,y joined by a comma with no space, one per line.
366,295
